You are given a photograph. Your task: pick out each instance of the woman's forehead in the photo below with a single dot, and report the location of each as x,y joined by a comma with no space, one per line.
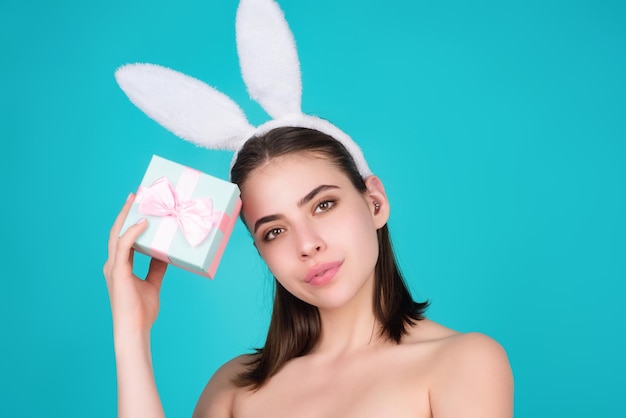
284,169
288,178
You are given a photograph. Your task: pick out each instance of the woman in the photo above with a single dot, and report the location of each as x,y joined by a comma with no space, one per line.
345,339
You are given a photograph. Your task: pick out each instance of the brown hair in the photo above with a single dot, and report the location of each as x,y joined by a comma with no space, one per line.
295,325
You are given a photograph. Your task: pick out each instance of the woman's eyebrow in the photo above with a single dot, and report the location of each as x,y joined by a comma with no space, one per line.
264,220
306,199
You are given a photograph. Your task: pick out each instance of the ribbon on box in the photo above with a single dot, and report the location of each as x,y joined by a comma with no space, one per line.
194,217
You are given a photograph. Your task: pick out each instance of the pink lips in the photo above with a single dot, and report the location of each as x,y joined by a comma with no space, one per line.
322,273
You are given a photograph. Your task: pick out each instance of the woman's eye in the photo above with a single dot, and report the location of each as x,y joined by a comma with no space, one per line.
272,234
324,206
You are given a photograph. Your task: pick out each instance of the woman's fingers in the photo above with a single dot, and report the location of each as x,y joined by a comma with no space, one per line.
121,253
123,256
156,272
114,237
117,225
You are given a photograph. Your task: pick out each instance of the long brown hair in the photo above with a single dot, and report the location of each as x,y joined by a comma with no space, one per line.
295,325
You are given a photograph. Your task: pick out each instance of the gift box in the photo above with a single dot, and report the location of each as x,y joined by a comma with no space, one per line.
190,216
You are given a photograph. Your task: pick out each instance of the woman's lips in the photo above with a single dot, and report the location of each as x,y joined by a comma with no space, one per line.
322,273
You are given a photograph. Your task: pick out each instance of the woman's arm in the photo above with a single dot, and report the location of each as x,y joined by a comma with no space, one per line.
137,394
134,306
473,380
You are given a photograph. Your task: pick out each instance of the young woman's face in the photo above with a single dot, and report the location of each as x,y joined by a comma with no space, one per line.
314,230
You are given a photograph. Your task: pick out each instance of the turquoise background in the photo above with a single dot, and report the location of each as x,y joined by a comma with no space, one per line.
497,127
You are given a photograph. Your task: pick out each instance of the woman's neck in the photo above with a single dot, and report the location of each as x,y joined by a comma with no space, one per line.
351,327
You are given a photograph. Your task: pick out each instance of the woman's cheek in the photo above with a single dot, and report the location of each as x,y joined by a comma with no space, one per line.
276,257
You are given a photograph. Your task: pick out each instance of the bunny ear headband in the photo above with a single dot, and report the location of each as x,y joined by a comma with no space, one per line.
270,69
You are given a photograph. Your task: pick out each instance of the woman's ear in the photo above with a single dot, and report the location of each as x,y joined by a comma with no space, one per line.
377,200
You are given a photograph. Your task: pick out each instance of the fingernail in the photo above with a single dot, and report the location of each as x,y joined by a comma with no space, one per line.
140,221
129,196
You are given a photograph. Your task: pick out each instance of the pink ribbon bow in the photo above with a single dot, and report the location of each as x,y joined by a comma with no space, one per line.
195,217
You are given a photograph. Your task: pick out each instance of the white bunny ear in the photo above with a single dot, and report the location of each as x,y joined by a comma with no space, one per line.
268,57
184,105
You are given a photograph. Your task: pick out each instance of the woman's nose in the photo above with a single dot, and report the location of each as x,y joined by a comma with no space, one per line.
310,242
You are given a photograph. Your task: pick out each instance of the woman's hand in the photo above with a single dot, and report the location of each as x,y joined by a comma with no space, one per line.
134,302
135,305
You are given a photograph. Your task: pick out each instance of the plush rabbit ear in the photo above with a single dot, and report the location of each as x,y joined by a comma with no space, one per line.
271,70
268,57
186,106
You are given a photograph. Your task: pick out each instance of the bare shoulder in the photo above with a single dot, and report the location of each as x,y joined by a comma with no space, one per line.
470,374
216,400
452,346
474,359
476,347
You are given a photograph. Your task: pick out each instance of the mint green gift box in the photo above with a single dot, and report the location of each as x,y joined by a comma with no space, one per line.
190,216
